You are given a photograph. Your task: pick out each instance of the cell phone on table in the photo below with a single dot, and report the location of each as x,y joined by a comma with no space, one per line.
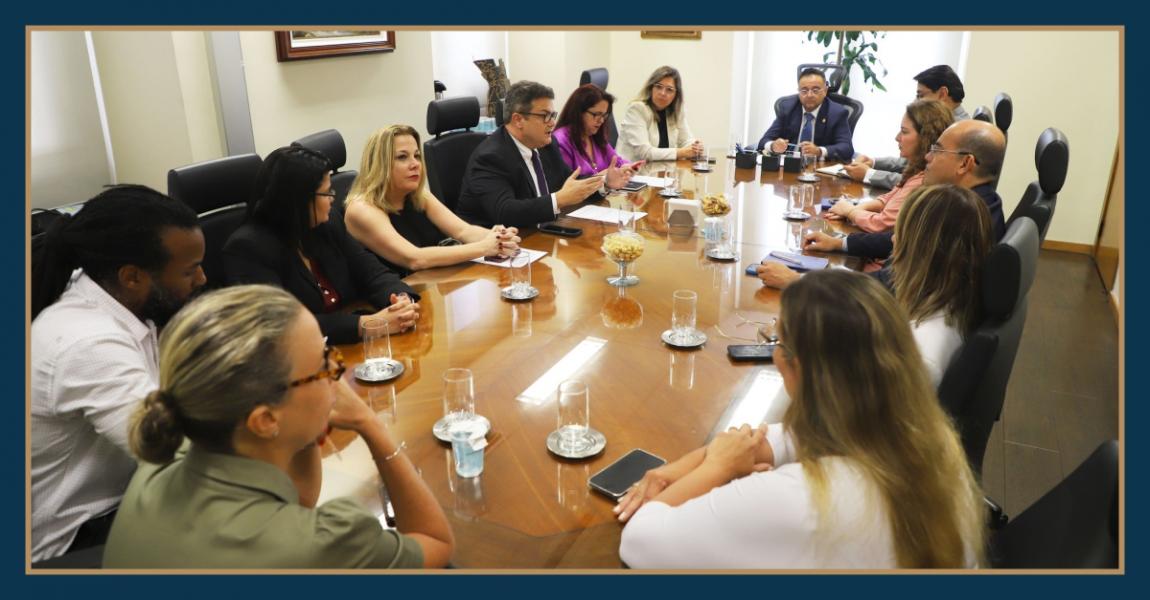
553,228
633,186
618,477
751,352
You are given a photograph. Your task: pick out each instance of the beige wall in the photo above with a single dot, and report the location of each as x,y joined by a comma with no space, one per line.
205,133
557,58
1068,80
354,94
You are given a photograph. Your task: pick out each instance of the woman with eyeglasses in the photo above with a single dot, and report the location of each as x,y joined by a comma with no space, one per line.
390,211
922,123
246,378
864,471
581,131
655,125
293,239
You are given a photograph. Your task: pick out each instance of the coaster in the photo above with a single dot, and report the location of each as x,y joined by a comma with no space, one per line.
795,216
385,370
721,254
509,294
668,193
694,340
598,443
440,429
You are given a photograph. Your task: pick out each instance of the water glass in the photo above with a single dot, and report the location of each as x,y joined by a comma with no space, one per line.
521,275
574,416
626,214
808,197
809,162
376,348
795,236
795,201
683,315
467,444
458,396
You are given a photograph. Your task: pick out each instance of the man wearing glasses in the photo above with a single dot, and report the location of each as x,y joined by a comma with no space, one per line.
517,176
813,125
940,83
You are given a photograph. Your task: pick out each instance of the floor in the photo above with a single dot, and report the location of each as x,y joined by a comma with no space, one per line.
1062,400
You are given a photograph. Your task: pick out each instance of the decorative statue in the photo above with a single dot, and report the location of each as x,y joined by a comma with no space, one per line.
497,83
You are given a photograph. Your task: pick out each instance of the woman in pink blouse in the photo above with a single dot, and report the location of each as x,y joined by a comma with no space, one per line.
923,122
581,131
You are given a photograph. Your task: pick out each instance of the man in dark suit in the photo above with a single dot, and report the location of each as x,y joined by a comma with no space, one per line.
517,176
817,126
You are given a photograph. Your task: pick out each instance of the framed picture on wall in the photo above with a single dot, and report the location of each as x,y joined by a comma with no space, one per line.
672,34
300,45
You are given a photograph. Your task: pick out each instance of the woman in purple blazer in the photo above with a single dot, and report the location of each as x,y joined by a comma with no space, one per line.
581,131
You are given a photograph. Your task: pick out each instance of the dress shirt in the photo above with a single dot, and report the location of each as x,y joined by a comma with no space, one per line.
93,361
528,158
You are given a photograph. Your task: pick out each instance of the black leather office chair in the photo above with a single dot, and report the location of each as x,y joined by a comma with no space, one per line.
447,153
88,558
973,387
982,113
219,191
1073,526
598,76
1052,159
1003,111
500,117
330,144
440,88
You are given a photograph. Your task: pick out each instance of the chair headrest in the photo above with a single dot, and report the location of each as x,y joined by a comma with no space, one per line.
982,113
328,143
598,76
452,113
439,86
1009,270
1052,158
1003,111
209,185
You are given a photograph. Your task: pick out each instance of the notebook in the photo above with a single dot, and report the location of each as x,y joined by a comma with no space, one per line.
797,262
835,171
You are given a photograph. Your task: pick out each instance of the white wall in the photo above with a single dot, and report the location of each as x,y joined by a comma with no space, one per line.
201,116
68,162
1064,79
453,55
354,94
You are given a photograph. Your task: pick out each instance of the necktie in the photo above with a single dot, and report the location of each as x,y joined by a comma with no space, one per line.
538,164
807,133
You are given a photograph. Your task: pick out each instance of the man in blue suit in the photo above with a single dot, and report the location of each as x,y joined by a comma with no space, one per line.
817,126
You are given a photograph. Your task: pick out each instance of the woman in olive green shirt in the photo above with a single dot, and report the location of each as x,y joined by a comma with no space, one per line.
245,376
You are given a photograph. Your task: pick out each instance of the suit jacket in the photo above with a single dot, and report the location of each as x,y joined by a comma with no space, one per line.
639,134
832,129
255,254
498,189
880,245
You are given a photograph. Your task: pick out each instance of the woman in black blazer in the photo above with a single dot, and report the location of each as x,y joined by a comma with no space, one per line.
292,239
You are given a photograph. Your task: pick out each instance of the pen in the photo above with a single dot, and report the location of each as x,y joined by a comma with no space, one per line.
785,258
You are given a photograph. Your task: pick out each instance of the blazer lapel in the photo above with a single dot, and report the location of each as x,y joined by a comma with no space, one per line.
523,184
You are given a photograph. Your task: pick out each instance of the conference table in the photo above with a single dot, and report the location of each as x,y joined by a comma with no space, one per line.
529,508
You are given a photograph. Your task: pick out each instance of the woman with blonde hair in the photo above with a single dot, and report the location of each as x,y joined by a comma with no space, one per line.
921,125
865,470
246,377
390,211
655,124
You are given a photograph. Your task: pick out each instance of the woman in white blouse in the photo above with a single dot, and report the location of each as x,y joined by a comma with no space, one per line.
865,471
655,126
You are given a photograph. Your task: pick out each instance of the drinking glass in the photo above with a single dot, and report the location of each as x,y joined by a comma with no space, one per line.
376,348
467,446
795,203
521,276
683,315
574,416
795,237
809,162
458,396
808,197
626,214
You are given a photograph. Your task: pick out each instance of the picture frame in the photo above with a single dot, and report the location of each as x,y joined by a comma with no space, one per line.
304,45
671,34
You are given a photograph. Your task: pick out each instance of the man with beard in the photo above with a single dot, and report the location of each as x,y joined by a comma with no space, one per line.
102,282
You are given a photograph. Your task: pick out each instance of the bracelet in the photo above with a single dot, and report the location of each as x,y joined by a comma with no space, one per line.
398,449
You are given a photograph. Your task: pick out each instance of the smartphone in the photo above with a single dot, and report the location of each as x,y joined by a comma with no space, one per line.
619,476
633,186
752,270
751,352
552,228
495,259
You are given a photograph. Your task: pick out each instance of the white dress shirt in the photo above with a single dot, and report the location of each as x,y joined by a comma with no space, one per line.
93,361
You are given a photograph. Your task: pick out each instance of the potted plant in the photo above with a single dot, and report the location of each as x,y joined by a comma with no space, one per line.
854,48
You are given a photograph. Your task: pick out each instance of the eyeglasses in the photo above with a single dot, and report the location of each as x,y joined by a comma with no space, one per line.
598,116
328,194
936,149
329,355
810,91
664,88
547,117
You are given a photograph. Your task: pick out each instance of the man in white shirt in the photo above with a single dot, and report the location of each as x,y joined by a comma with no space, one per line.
102,281
517,177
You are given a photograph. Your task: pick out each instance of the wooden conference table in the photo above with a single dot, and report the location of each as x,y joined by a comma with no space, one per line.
530,508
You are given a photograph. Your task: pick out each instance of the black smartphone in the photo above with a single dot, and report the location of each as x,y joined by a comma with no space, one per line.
633,186
553,228
619,476
751,352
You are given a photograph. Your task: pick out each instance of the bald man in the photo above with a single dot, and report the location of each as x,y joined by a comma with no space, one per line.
968,154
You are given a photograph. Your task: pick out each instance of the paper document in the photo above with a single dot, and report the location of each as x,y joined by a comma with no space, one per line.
659,182
602,213
506,262
836,171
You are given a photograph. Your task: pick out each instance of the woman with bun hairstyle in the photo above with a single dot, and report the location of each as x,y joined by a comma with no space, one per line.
246,378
